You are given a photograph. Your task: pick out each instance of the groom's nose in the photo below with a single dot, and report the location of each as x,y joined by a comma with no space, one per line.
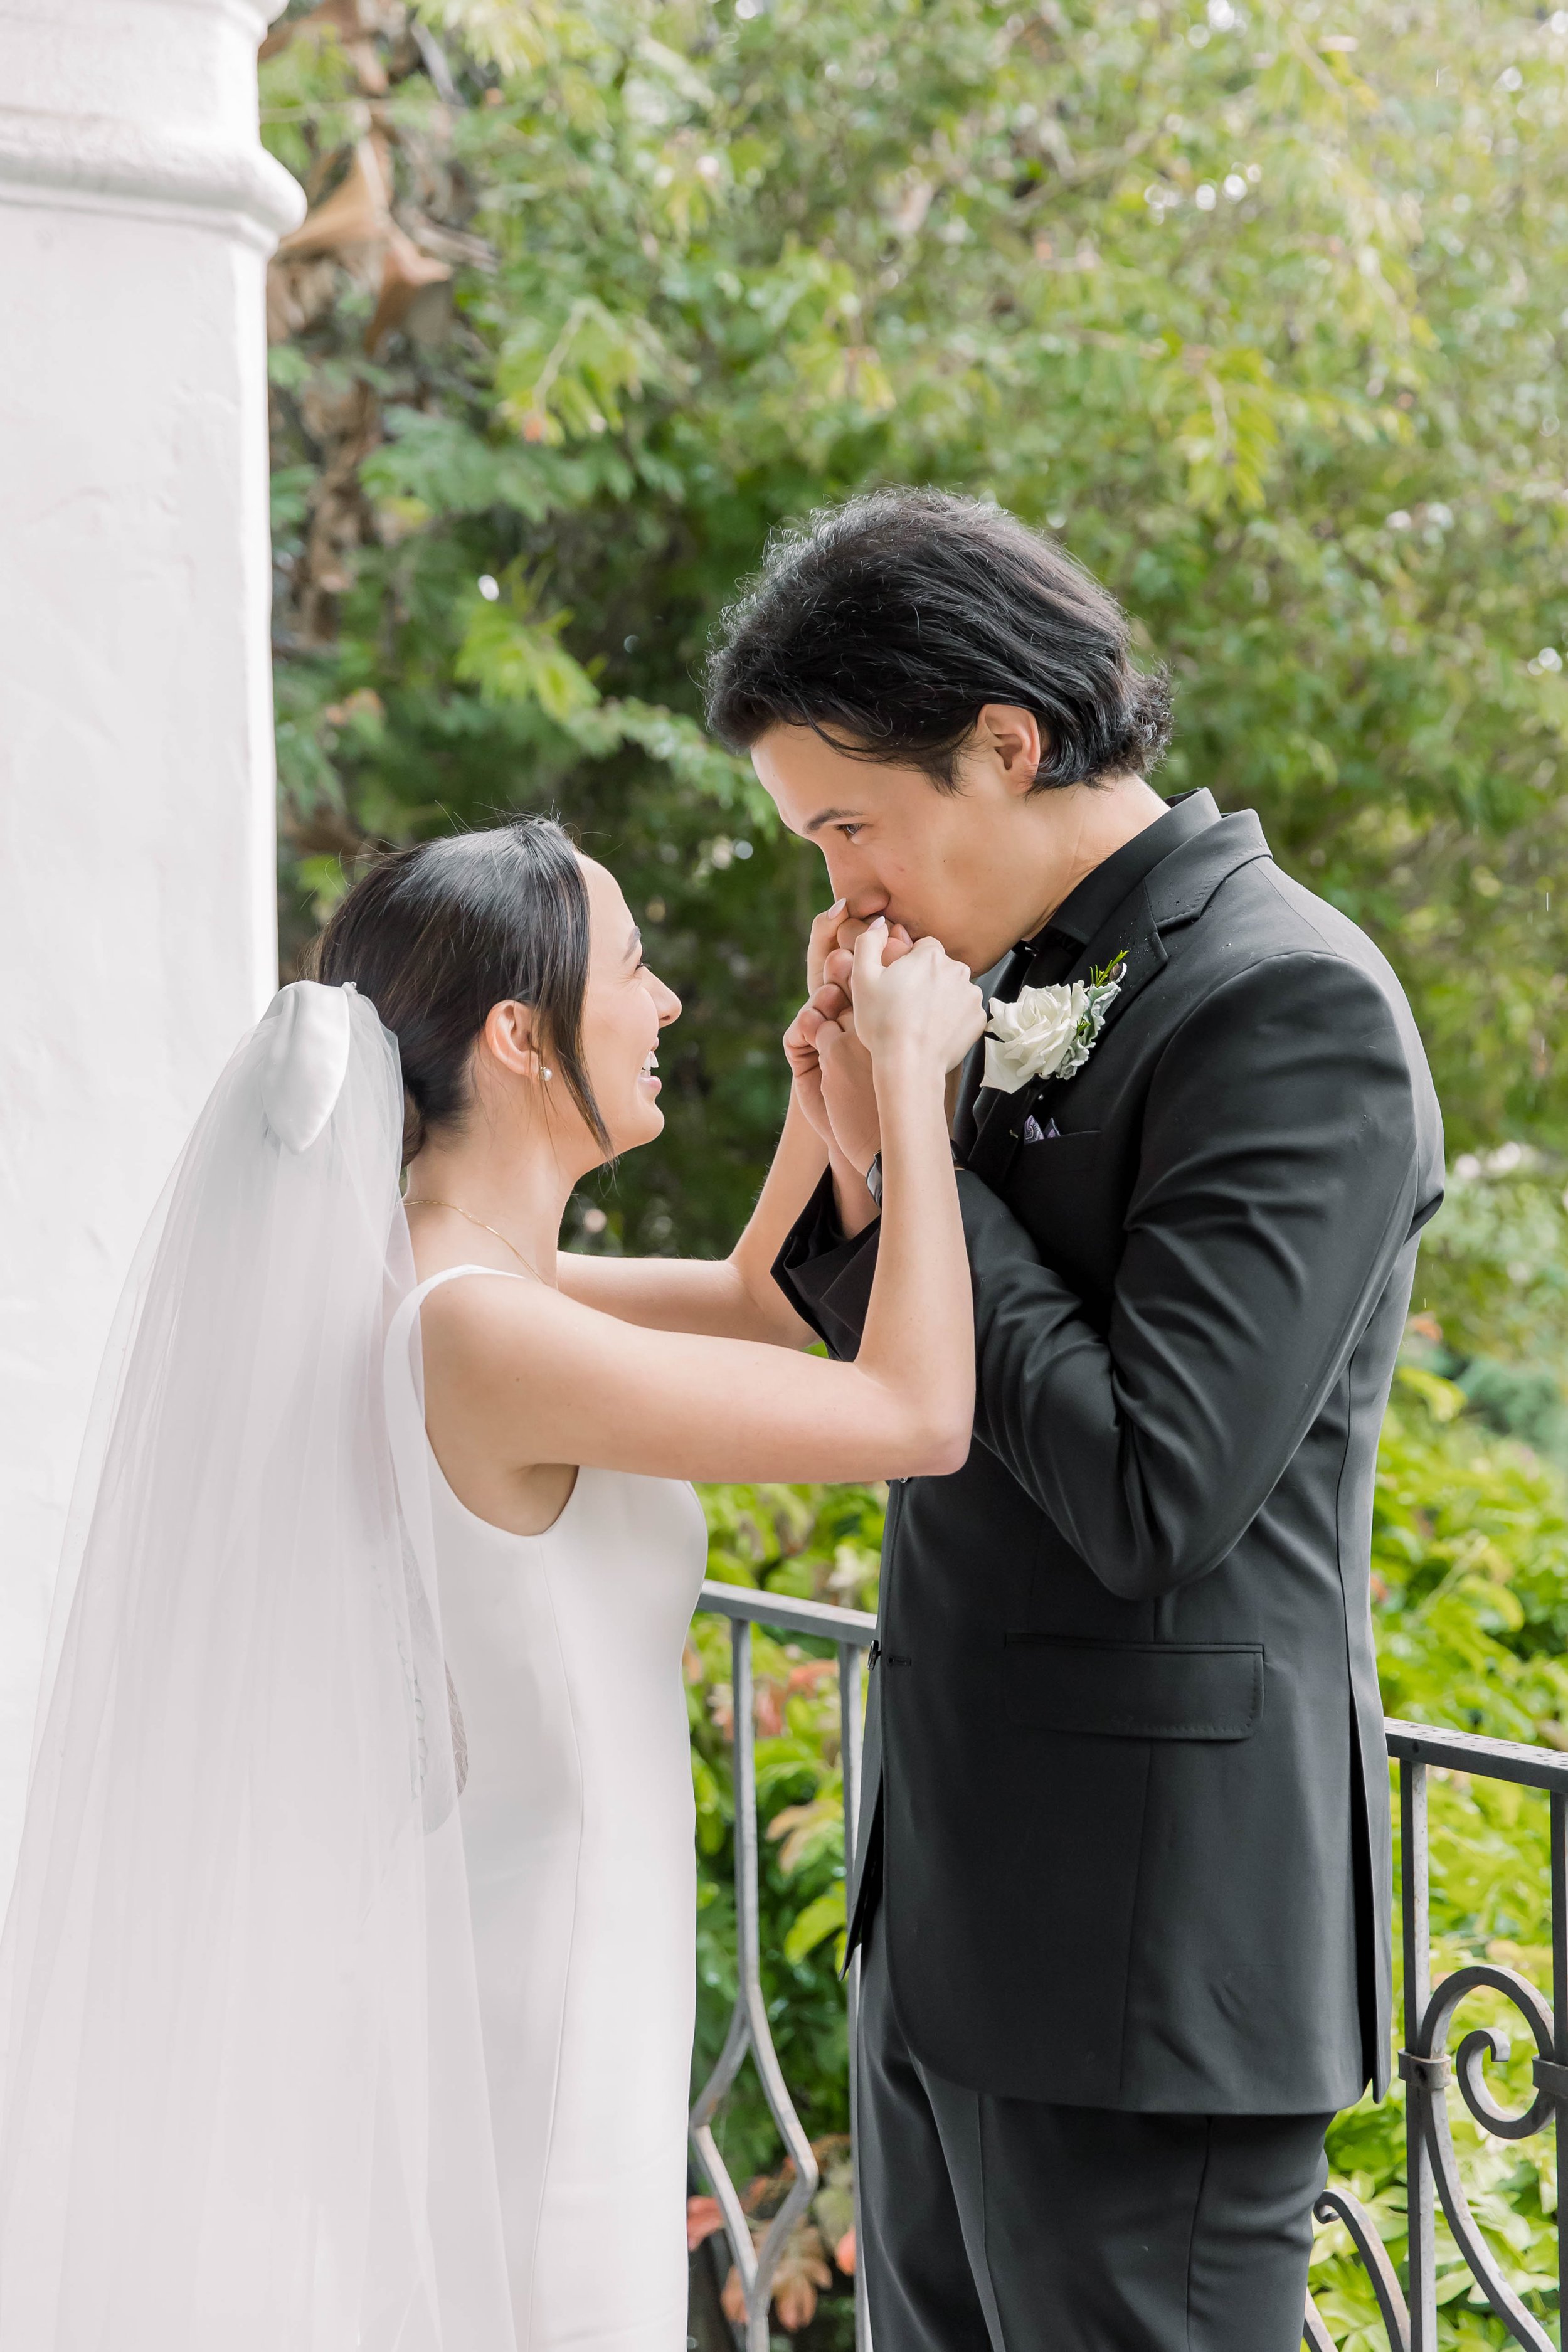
865,905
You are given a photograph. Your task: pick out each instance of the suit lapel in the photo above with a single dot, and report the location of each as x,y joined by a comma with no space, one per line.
1175,892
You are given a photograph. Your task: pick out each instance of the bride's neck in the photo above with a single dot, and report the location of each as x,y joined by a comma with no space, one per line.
519,1194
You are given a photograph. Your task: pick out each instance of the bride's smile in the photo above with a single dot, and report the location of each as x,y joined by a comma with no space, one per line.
625,1007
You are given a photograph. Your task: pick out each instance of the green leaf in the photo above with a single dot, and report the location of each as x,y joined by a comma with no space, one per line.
815,1925
513,652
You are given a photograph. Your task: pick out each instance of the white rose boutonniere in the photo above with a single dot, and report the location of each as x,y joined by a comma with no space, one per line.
1048,1032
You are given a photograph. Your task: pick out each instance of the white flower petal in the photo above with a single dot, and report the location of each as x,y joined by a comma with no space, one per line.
1033,1035
1002,1072
1045,1032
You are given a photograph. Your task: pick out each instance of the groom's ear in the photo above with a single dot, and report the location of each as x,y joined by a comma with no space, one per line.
1008,738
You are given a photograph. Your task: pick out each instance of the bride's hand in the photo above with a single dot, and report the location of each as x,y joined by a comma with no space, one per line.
921,1008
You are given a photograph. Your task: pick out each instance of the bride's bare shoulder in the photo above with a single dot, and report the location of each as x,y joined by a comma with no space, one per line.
489,1324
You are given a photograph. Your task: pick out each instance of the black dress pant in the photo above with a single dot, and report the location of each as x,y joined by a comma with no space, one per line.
1007,2225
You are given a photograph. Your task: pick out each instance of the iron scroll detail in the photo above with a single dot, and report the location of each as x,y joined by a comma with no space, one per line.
1339,2205
1427,2070
1431,2159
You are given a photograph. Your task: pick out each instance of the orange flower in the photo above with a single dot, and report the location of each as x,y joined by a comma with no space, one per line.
770,1710
801,2276
702,2217
802,2273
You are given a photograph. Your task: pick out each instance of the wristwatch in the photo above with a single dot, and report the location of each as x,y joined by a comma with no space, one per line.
874,1179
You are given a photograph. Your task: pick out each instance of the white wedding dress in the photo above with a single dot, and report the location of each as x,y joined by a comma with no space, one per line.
564,1653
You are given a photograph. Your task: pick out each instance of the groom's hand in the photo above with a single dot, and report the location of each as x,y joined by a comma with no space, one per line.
801,1052
822,1025
831,1072
838,963
800,1039
831,1067
848,1090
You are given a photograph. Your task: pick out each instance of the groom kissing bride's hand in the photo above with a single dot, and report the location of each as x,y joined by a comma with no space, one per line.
363,1754
1121,1892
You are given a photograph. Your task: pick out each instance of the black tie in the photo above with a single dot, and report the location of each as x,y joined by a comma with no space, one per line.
1049,956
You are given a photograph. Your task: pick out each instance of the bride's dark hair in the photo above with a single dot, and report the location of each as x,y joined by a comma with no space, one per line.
435,935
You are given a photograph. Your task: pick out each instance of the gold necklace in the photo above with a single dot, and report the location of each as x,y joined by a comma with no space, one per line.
427,1204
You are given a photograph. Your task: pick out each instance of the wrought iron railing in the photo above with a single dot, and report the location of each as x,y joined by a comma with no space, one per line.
1429,2012
851,1630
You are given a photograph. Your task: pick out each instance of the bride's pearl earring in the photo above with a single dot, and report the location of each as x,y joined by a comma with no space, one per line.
546,1074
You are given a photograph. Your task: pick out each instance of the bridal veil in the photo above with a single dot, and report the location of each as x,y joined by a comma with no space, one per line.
242,2092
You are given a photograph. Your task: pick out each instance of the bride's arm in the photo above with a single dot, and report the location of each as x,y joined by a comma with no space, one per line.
529,1376
733,1297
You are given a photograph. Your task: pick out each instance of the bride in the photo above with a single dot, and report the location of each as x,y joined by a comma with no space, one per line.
346,1988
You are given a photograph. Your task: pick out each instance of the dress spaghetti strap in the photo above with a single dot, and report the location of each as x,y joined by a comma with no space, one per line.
404,1388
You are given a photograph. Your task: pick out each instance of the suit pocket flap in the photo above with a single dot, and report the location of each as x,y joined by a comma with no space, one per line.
1134,1690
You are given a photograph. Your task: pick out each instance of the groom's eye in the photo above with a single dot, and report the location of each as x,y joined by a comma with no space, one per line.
849,831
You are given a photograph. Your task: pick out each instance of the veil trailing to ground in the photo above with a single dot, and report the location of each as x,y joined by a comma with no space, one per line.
242,2091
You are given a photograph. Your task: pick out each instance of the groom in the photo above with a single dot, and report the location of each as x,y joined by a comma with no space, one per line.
1123,1885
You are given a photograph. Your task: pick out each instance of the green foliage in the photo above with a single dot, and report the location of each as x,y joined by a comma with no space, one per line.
1470,1558
1263,316
1492,1290
1494,1264
1469,1551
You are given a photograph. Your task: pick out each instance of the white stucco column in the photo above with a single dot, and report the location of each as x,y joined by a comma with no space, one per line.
137,929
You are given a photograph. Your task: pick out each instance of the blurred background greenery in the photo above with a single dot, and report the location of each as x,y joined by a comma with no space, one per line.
1262,308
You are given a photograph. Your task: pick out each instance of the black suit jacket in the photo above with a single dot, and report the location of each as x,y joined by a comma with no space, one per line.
1126,1788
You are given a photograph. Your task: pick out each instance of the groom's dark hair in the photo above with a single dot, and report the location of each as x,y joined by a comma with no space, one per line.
885,625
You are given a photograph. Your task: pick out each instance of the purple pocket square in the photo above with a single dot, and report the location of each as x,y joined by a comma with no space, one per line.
1035,1133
